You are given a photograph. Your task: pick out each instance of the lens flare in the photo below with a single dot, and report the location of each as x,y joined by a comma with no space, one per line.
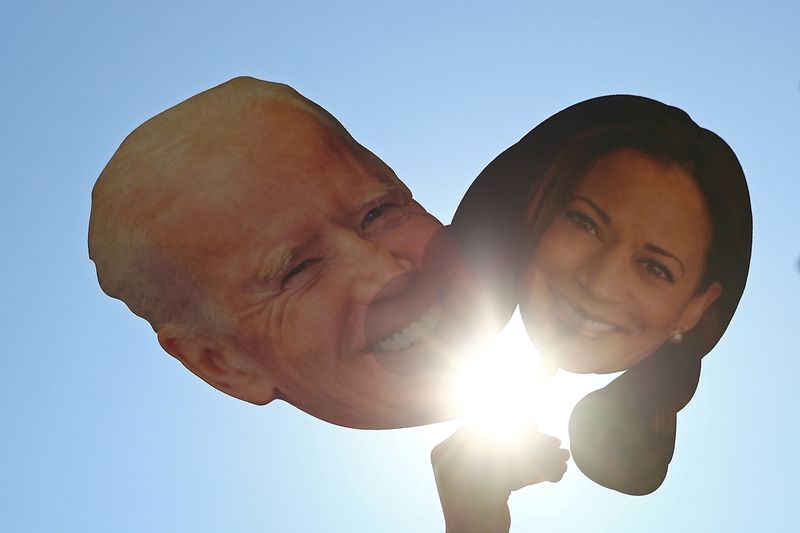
507,387
501,388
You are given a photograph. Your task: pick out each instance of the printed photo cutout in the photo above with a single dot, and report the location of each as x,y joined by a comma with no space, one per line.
277,258
623,231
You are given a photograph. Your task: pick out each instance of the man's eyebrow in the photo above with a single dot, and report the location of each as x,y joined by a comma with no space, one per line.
657,249
381,190
597,208
276,261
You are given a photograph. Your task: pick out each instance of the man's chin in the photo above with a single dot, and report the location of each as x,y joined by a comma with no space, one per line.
408,420
426,408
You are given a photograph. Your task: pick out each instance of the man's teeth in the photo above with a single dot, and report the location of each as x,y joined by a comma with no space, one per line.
413,332
582,322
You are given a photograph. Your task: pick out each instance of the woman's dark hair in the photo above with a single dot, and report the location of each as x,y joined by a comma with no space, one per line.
623,435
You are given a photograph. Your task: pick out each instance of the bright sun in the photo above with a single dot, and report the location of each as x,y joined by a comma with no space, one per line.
507,386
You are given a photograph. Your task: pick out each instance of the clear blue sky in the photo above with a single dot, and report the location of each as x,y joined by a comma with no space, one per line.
103,432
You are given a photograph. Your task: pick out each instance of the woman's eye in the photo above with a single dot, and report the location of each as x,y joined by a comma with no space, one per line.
298,269
657,269
374,214
584,222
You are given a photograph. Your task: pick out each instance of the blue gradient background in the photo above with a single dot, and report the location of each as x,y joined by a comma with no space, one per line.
103,432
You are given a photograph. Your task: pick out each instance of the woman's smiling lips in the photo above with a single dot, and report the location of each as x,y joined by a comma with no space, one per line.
584,323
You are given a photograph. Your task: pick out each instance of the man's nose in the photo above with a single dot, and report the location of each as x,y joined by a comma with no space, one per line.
375,268
603,275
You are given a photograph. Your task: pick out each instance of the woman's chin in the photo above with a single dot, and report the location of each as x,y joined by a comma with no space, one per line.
577,361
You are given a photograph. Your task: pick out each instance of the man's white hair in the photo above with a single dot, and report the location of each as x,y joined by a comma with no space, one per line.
140,184
130,267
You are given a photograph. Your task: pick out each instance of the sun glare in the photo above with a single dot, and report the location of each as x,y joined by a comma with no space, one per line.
502,386
507,387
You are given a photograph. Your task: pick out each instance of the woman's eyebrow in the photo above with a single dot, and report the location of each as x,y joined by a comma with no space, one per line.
648,246
600,212
658,250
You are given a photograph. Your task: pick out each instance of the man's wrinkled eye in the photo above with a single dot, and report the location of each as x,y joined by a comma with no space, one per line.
657,269
583,222
374,214
298,269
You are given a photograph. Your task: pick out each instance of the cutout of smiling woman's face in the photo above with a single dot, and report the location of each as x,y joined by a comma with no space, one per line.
618,270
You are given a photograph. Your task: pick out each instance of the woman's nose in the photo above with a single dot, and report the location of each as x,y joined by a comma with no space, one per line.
602,274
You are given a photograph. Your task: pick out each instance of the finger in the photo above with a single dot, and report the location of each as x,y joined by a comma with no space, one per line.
531,434
529,453
543,472
558,473
563,455
468,459
527,467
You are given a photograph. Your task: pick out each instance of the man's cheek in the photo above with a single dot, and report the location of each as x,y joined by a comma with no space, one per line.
319,316
281,324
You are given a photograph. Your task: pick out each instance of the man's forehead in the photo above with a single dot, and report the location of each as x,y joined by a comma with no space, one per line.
292,139
259,243
272,169
284,202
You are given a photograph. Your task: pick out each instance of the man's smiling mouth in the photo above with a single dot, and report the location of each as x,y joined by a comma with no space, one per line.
413,332
586,326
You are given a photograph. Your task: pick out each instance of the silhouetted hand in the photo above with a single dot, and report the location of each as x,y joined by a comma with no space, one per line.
476,472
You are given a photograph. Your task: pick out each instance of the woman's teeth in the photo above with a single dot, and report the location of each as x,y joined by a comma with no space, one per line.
582,323
413,332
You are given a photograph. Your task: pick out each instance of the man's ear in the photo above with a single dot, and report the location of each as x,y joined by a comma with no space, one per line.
217,362
697,306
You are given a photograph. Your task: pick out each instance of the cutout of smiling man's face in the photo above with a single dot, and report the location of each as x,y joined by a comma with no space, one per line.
333,288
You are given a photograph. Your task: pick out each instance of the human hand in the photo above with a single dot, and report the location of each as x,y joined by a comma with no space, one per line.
475,474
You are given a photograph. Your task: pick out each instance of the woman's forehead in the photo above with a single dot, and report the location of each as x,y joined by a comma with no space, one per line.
641,194
631,178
